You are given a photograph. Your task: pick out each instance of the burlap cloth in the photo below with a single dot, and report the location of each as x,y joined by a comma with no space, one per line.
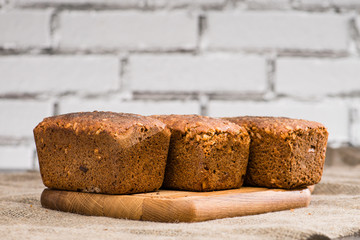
334,212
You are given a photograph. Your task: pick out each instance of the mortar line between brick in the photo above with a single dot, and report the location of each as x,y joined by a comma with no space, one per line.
122,65
204,101
270,91
56,110
201,32
123,82
354,34
54,27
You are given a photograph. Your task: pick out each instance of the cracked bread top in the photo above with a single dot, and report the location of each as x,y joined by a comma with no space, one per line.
119,125
281,126
199,124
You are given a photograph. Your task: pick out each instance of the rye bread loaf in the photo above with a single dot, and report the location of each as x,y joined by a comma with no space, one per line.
284,153
205,154
102,152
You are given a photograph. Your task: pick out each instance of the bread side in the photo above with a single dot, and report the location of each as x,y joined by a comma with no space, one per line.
205,154
102,152
284,153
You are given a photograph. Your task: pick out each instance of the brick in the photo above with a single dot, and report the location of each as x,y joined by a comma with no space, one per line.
81,3
276,30
123,4
312,5
268,4
203,4
21,116
25,28
317,77
346,4
58,74
138,107
333,114
316,5
16,157
184,73
127,30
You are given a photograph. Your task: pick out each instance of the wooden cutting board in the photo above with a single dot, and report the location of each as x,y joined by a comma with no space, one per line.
177,206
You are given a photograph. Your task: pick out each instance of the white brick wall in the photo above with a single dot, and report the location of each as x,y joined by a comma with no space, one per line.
186,3
57,74
126,4
137,107
350,4
297,58
182,73
297,31
317,77
160,4
95,3
326,4
16,157
312,4
19,117
25,28
333,114
127,30
268,4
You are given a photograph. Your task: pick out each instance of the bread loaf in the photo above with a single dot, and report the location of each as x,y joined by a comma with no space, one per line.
284,153
205,154
102,152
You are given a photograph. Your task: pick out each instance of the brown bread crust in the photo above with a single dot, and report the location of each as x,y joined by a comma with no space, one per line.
205,154
103,152
284,153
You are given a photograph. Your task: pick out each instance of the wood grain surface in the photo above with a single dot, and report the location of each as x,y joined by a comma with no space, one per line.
177,206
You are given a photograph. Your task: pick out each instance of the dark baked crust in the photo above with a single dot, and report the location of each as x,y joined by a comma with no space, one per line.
205,153
284,153
104,152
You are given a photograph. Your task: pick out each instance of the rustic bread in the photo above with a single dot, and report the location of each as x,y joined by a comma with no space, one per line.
205,154
102,152
284,153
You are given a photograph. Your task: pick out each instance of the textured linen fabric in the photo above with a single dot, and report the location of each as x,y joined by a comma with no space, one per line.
334,212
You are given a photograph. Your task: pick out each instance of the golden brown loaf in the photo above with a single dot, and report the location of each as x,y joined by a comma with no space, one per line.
103,152
205,153
284,153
